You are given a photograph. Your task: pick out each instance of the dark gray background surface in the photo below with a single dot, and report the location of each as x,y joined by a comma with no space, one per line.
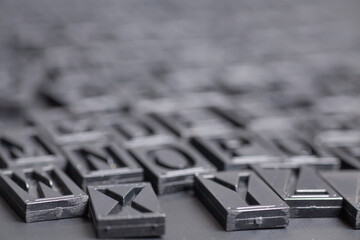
187,219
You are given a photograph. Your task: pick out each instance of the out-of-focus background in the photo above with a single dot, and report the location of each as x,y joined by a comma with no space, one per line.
172,47
256,58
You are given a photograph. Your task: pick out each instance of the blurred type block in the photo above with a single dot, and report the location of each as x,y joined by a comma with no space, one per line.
101,163
171,166
25,147
134,129
234,150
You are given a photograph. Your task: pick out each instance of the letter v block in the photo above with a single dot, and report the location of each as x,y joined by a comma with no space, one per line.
307,194
126,210
241,200
39,194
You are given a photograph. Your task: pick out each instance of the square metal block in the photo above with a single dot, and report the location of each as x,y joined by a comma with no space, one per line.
194,121
171,166
240,200
40,194
346,183
65,128
101,163
134,129
126,210
301,187
235,150
26,147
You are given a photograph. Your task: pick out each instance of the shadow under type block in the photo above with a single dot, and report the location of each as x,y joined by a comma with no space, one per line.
40,194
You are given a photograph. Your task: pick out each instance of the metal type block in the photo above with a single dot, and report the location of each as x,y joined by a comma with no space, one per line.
235,149
101,163
307,194
346,183
194,121
240,200
126,210
40,194
134,129
171,166
26,147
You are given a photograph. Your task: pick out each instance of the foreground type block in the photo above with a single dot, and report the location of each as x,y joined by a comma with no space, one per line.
171,166
307,194
101,163
241,200
126,210
39,194
347,184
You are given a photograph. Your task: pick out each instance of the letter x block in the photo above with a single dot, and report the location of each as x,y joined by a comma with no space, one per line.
126,210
